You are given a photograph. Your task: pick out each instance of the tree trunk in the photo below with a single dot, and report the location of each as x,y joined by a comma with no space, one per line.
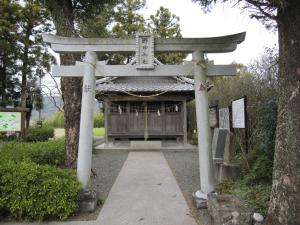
3,80
24,72
63,18
284,206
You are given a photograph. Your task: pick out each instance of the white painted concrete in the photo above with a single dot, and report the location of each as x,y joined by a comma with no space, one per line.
188,45
84,163
146,193
203,128
131,71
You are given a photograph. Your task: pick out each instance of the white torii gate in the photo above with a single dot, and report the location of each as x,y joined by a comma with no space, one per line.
144,46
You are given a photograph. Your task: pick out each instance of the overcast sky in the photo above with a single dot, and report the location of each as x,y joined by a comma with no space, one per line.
224,19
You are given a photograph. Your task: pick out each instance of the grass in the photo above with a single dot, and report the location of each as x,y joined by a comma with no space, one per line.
99,131
256,195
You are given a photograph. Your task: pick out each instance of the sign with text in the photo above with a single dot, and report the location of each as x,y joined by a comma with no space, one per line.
10,121
224,122
145,51
238,113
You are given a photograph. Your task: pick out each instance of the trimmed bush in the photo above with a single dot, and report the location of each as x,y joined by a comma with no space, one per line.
32,191
40,134
50,152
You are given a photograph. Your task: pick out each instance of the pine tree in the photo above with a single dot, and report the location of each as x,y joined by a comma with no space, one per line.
24,56
164,24
9,17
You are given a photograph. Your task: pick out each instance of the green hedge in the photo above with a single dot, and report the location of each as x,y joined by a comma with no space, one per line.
40,134
50,152
32,191
98,119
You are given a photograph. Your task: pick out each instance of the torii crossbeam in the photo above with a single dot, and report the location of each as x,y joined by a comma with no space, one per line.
144,46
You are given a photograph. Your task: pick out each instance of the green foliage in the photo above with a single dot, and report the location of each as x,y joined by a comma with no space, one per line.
195,138
56,121
259,83
256,195
50,152
9,14
32,191
164,24
23,53
128,20
40,134
261,172
98,119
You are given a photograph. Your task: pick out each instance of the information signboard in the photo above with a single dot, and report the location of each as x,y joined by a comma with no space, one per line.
213,116
238,113
224,122
10,121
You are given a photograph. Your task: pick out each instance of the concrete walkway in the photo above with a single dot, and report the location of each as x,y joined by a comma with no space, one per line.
145,193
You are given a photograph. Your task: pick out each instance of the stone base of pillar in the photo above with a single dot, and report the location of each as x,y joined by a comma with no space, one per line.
87,201
200,199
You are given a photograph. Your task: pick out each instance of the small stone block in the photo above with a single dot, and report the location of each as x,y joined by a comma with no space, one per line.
258,218
87,201
229,210
200,200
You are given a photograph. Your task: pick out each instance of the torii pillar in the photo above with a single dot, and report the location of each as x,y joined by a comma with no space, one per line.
84,162
203,128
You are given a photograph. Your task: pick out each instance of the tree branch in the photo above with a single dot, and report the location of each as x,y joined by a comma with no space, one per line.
259,5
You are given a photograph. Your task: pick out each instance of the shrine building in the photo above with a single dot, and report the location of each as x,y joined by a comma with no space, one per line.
127,99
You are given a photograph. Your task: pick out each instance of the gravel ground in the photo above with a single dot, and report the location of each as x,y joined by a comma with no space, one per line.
185,167
107,165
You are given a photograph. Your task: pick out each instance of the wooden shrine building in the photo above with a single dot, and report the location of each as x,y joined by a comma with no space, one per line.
145,108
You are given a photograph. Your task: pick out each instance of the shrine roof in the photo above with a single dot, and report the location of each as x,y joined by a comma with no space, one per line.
145,84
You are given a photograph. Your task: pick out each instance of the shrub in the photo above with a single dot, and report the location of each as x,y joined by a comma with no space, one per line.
50,152
257,196
32,191
40,134
98,119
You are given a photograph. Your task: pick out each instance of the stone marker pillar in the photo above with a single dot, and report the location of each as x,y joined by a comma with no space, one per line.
84,163
203,128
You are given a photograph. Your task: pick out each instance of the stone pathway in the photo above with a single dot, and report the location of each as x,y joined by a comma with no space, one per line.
145,193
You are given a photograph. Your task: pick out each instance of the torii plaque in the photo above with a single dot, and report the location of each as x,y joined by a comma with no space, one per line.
144,45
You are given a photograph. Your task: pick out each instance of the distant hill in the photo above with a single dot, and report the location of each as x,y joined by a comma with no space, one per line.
49,108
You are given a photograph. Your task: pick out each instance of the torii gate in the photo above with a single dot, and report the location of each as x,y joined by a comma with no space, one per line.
143,65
